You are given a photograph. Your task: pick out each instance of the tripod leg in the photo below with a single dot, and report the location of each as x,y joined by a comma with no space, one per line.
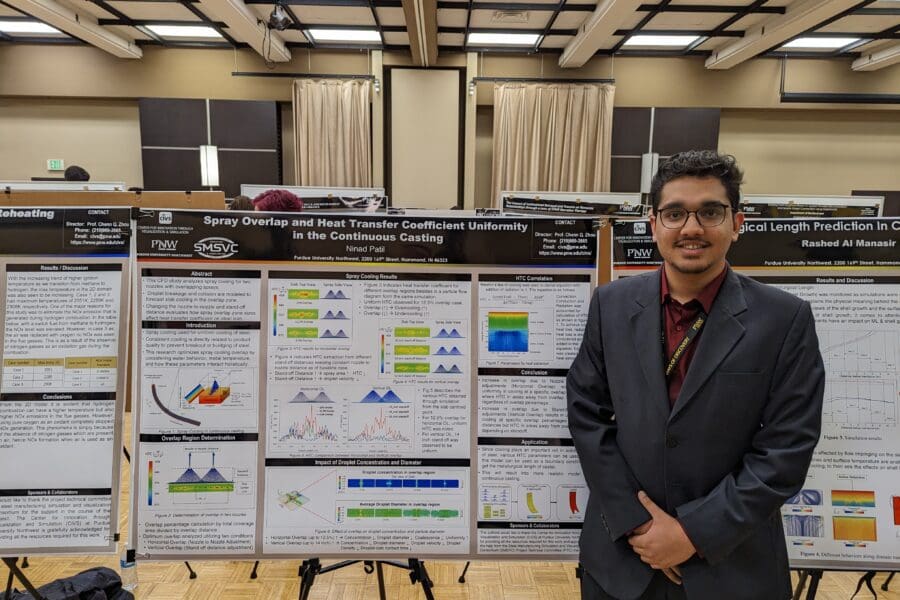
801,584
9,583
887,582
25,562
418,573
191,574
253,572
15,570
379,569
462,576
308,571
814,578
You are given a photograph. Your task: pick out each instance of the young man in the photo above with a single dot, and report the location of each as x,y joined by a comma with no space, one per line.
695,404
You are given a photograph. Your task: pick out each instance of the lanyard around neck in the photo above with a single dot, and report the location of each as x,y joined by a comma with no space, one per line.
692,332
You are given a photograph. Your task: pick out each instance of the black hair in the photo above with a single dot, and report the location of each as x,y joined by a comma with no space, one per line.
76,173
699,163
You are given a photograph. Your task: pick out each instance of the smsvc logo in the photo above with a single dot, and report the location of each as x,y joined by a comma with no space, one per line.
216,247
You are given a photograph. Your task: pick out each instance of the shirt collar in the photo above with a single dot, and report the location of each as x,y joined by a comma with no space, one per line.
706,296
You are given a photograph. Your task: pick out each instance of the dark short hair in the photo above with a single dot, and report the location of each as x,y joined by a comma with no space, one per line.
241,203
76,173
278,200
699,163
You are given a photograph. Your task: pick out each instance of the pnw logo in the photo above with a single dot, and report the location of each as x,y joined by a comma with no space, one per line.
216,247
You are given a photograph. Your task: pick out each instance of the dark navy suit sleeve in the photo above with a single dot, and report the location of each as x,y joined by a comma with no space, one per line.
593,426
775,465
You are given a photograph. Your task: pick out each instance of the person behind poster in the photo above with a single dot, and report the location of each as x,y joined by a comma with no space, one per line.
695,404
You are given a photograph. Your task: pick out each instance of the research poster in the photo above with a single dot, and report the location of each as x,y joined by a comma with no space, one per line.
64,277
848,513
358,385
573,204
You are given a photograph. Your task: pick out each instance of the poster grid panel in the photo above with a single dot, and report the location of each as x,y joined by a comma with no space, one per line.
353,386
64,287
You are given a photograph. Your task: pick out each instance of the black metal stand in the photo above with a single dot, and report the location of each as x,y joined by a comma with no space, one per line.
887,582
814,576
191,574
313,566
253,572
865,579
462,576
16,572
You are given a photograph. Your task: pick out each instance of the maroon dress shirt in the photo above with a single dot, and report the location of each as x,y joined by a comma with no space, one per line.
678,318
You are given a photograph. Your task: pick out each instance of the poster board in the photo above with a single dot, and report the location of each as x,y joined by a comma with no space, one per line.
848,514
64,291
207,199
760,206
583,204
327,198
357,386
64,186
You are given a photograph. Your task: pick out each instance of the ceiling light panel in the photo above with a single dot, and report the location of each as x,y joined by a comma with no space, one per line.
345,35
502,39
660,41
30,27
184,31
819,43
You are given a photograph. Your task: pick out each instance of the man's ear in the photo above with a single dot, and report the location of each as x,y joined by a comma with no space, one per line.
652,217
737,222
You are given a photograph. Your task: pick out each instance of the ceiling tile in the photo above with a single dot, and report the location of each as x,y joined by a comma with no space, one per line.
451,18
570,20
556,41
863,23
485,20
164,11
450,39
396,38
676,20
391,16
333,15
748,21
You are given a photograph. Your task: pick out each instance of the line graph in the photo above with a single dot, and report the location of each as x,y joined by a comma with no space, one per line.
863,402
859,351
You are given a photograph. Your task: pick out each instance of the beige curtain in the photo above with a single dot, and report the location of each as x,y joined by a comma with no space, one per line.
332,133
552,137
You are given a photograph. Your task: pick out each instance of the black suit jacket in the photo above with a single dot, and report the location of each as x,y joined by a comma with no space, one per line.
734,447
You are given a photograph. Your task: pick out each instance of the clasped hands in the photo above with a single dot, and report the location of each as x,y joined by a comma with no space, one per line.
661,542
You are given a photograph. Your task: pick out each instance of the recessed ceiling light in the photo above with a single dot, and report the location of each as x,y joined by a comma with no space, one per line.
191,31
669,41
503,39
26,27
345,35
822,43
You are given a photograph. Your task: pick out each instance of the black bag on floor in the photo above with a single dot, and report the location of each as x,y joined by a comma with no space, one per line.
98,583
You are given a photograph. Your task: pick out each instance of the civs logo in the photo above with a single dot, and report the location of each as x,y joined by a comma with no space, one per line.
165,218
216,247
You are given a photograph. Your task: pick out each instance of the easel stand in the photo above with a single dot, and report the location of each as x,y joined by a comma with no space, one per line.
815,576
417,574
16,572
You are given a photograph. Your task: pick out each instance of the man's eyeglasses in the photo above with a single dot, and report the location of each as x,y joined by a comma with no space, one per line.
675,217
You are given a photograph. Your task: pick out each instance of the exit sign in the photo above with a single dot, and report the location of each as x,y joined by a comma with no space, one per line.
55,164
